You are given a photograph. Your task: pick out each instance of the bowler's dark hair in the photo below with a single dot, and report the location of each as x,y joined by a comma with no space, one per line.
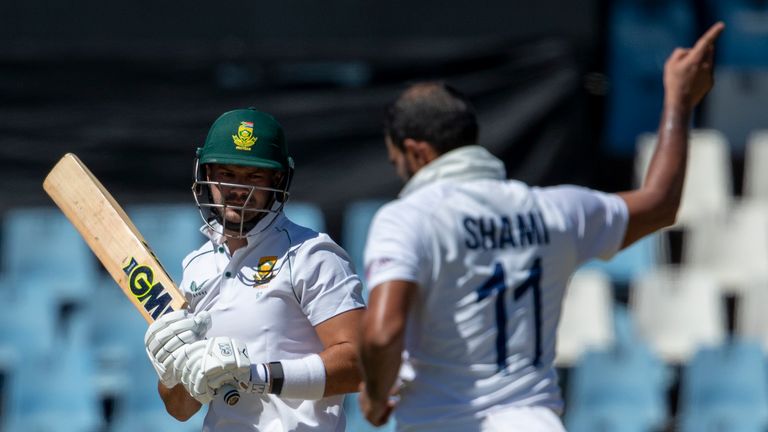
433,112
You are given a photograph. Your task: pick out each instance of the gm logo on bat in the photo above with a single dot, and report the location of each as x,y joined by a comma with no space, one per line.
151,294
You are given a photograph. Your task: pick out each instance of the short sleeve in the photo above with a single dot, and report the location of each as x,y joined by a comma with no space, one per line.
597,220
195,288
394,249
324,282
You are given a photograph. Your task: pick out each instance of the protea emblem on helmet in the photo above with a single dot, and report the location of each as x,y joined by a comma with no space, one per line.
244,139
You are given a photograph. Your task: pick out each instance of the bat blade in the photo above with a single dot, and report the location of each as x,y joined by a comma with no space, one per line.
113,237
117,243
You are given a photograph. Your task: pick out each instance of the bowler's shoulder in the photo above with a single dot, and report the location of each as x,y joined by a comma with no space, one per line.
568,194
412,207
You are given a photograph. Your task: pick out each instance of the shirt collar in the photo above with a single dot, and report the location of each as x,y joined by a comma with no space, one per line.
461,164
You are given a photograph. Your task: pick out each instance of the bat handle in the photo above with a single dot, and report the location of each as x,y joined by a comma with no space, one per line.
230,394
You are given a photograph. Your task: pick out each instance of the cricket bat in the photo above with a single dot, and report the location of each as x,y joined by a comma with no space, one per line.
117,243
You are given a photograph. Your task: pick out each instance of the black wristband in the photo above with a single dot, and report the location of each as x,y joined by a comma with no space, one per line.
277,377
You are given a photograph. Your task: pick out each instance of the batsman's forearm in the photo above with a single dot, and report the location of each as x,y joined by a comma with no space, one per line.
343,375
178,402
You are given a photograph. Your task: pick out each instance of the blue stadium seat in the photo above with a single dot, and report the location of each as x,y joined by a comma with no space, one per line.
626,335
725,388
58,395
41,244
745,43
356,421
641,35
611,419
116,334
28,322
637,259
731,421
620,389
172,230
736,104
139,407
124,372
306,214
357,219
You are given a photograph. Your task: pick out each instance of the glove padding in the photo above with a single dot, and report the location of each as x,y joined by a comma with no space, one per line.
166,336
206,365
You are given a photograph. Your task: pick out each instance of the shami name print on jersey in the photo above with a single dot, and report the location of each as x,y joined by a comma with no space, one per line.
499,232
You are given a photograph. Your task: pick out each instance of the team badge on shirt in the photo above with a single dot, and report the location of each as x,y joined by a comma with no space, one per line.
264,271
244,139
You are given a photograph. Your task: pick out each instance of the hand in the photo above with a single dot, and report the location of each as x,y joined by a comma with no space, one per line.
377,412
204,366
688,72
167,335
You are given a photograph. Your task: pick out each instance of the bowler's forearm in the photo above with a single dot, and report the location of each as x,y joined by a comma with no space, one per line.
666,172
381,364
655,204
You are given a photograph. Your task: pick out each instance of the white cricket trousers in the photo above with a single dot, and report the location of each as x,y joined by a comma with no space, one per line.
507,419
522,419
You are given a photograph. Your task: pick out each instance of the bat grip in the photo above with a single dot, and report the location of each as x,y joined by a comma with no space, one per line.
230,394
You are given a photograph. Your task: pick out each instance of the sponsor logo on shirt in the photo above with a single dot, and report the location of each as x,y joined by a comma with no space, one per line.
197,290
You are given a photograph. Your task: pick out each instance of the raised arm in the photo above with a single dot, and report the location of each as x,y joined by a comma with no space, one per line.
688,76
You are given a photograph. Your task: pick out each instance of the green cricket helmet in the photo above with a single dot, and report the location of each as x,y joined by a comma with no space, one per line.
245,137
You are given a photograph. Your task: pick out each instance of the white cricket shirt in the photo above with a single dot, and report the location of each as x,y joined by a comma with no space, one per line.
270,294
491,258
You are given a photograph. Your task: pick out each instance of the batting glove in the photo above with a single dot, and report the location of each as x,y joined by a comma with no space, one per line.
207,365
166,336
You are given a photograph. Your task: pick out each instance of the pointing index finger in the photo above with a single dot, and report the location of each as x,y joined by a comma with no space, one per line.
709,37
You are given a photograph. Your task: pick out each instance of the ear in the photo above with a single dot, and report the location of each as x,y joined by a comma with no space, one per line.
277,178
420,152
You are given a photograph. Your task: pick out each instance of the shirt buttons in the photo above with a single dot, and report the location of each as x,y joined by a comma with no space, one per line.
228,274
221,249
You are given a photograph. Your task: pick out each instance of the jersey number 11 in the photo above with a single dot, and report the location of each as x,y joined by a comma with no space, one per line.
496,285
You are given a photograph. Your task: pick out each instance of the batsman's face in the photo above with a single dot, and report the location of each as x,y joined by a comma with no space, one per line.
242,189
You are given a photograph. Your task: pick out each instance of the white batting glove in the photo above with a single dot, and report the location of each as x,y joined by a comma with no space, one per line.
187,365
167,335
205,366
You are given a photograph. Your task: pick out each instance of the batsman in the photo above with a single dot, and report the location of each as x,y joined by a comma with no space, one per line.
274,307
